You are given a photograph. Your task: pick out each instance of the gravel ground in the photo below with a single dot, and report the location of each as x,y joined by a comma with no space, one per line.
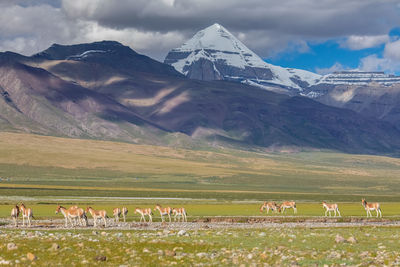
210,224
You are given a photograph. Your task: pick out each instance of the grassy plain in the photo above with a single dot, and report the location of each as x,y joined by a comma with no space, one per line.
45,211
46,171
225,247
33,165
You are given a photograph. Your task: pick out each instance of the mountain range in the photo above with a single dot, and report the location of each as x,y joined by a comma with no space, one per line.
105,90
215,54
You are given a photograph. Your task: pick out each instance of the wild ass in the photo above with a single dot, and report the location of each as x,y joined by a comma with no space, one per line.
82,219
269,206
26,213
372,206
179,213
15,214
288,205
164,211
144,212
97,214
78,214
117,214
331,207
124,213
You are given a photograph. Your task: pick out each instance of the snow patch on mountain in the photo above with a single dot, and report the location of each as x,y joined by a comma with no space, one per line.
357,77
217,45
85,54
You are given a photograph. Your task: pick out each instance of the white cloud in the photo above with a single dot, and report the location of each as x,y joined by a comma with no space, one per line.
272,25
389,62
335,67
357,42
392,50
30,29
155,43
376,63
155,26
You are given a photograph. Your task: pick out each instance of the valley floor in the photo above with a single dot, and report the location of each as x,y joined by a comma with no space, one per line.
222,191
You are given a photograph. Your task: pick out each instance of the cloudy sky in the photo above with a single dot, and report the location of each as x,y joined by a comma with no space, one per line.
317,35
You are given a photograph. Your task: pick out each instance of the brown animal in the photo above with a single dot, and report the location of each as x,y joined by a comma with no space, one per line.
15,214
117,214
26,213
74,212
288,205
97,214
331,207
164,211
179,213
371,206
269,206
124,213
143,213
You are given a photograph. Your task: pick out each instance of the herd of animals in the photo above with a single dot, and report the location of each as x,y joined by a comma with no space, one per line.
78,216
273,206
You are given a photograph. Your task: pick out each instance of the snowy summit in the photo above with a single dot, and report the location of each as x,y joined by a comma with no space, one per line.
215,54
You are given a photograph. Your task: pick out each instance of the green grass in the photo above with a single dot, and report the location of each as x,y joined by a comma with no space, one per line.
390,210
33,165
222,247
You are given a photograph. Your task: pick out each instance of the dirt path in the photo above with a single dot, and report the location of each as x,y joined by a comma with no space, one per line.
208,223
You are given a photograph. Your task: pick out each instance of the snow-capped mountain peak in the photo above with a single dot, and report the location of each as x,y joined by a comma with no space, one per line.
215,54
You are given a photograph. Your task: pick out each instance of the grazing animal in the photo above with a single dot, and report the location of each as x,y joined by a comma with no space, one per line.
26,213
372,206
144,212
269,206
82,218
288,205
331,207
78,214
179,213
117,214
124,213
164,211
97,214
15,214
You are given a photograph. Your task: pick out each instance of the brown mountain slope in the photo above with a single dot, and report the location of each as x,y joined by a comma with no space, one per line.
49,105
374,100
83,93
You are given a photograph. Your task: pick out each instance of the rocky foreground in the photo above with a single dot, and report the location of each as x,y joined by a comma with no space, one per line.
212,244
